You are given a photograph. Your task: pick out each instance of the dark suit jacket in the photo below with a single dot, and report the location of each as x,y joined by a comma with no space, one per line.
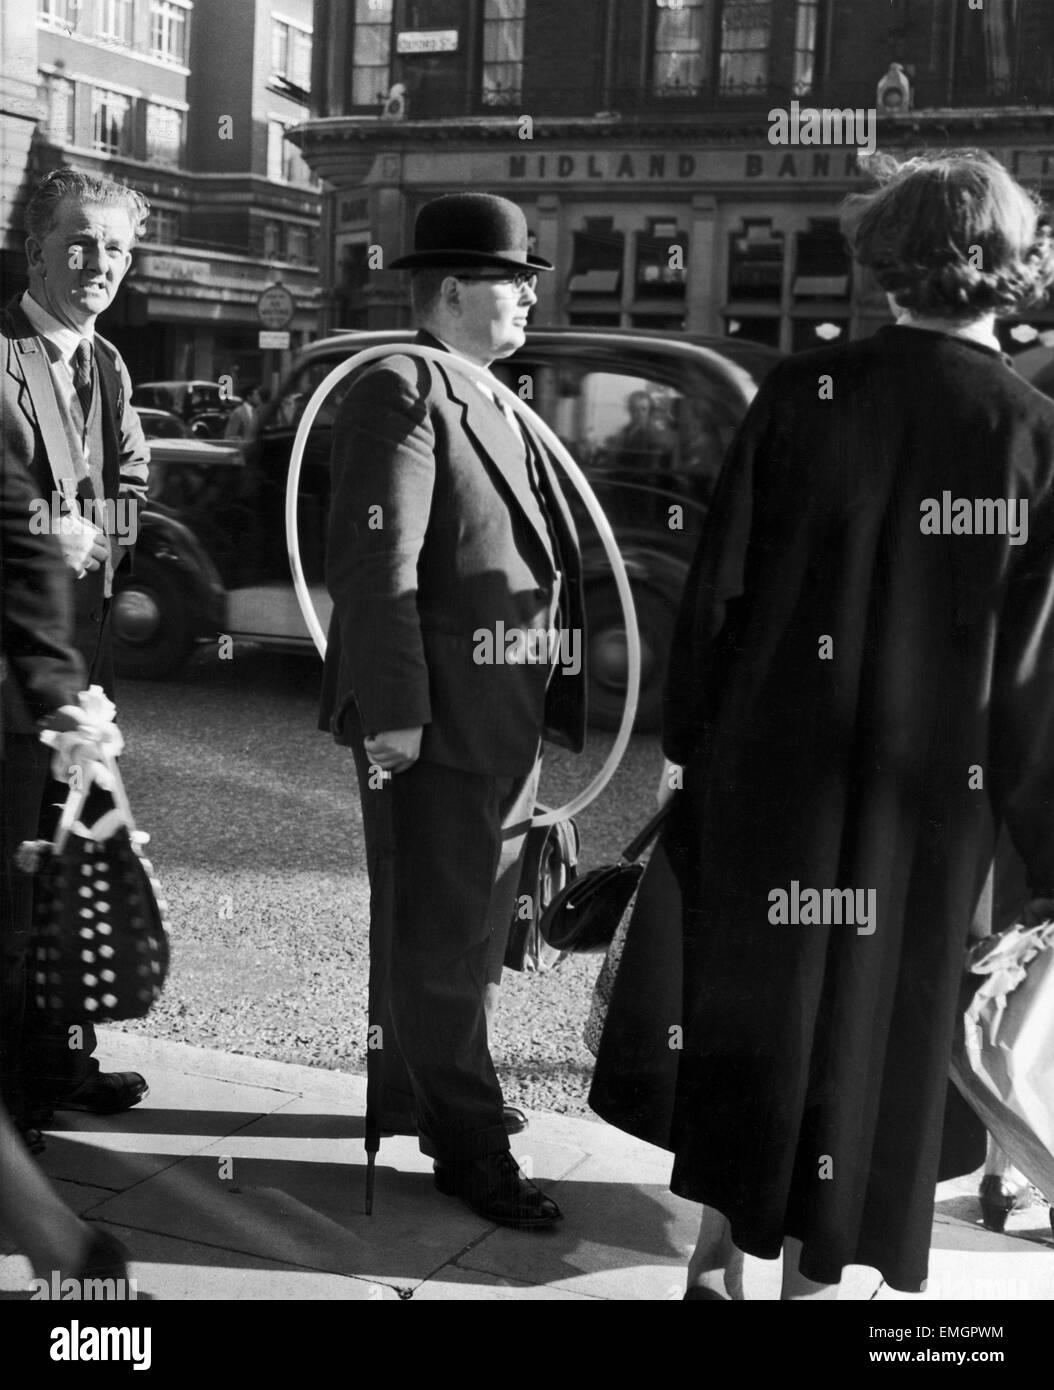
451,552
39,671
125,455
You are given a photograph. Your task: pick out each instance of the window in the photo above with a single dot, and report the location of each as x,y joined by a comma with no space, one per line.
822,265
114,21
804,79
662,256
755,282
643,444
745,33
755,262
503,52
596,266
679,57
111,116
822,281
168,31
285,163
296,244
1005,53
371,55
163,226
291,53
272,241
164,134
59,14
59,95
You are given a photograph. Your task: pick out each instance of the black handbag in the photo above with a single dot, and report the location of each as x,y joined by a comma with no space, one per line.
550,863
99,949
584,916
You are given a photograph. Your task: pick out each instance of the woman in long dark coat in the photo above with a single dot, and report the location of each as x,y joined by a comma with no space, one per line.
861,692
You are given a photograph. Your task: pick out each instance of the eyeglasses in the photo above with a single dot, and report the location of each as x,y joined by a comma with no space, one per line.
520,280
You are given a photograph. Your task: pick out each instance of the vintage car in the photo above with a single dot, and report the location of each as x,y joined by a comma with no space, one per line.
647,417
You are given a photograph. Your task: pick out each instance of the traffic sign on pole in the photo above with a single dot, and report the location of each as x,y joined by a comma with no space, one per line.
276,307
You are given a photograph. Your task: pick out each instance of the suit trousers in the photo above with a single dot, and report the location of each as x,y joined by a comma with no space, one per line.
444,849
39,1065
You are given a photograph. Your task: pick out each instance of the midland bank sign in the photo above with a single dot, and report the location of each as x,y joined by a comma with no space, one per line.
708,165
637,166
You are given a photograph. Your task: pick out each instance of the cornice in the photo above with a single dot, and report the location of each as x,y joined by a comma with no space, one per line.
322,134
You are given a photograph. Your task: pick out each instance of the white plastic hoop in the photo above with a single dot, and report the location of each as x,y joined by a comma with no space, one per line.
479,377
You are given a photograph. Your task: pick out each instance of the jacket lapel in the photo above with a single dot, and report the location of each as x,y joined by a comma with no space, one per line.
16,325
562,519
111,405
488,431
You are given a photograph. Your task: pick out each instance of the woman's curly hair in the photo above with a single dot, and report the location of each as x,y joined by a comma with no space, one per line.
951,234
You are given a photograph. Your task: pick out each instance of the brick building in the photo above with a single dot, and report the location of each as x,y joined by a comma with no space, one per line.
635,135
189,102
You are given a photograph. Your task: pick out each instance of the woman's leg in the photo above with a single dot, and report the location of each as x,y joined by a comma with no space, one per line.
997,1164
32,1214
1004,1188
796,1288
716,1264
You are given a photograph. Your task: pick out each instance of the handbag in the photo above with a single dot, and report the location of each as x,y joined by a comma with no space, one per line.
1003,1055
99,951
584,915
550,862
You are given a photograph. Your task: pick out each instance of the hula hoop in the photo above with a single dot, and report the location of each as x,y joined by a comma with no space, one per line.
478,376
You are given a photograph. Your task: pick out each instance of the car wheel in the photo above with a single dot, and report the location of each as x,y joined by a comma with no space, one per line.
152,633
608,656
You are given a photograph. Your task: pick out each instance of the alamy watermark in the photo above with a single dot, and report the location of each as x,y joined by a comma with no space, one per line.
77,1343
113,516
810,125
975,516
83,1290
528,646
850,907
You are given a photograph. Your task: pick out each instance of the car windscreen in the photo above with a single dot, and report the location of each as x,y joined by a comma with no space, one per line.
286,412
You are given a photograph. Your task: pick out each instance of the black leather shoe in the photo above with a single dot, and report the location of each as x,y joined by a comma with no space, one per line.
998,1201
106,1093
515,1119
495,1189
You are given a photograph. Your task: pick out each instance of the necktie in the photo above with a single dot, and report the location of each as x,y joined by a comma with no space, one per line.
82,376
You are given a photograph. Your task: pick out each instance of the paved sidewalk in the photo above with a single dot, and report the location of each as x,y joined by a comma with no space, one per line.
243,1179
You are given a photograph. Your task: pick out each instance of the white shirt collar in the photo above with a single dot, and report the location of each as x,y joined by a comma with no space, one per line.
46,325
977,331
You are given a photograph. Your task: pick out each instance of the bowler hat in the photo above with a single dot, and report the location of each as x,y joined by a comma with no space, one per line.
470,229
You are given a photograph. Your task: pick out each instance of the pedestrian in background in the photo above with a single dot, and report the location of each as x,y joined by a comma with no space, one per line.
244,418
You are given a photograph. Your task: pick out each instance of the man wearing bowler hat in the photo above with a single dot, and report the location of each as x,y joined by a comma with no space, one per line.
447,522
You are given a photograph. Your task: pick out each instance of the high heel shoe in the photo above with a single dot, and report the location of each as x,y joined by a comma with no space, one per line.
998,1201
